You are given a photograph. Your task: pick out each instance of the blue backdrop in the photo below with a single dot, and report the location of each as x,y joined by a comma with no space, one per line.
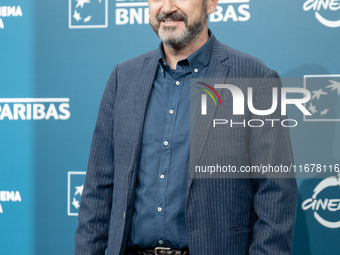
55,59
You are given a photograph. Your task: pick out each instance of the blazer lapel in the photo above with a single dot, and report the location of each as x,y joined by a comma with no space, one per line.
141,97
218,72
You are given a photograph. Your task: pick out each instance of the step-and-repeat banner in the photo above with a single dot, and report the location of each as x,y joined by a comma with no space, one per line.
55,59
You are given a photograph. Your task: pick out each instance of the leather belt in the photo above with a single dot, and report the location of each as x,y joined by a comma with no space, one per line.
157,251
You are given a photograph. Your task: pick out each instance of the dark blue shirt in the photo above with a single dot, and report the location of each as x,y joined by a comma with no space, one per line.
159,213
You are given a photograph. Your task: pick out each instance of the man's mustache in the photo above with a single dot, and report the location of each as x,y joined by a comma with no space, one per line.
172,16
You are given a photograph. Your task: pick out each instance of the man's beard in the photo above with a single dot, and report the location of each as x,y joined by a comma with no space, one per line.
186,36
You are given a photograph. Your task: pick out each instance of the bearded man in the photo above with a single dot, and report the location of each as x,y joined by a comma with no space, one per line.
139,197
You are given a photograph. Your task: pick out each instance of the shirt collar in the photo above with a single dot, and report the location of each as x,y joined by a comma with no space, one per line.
197,60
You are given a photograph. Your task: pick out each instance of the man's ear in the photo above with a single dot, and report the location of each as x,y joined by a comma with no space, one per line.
211,5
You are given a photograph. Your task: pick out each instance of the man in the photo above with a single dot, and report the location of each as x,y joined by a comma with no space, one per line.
138,196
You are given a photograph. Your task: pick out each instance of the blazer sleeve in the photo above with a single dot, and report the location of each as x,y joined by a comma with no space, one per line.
96,201
276,197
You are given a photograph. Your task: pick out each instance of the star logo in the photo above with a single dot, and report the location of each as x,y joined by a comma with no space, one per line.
82,2
75,203
318,93
87,19
324,112
311,108
335,85
325,91
75,186
88,14
79,190
76,15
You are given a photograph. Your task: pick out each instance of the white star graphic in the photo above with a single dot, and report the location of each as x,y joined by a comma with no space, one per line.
318,93
312,108
76,15
335,85
324,112
79,190
75,203
87,19
82,2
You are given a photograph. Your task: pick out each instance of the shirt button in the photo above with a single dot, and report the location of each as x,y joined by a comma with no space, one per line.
171,111
159,209
196,70
162,176
160,242
177,83
166,143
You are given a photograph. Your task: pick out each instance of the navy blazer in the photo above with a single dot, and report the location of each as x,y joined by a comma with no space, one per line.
229,216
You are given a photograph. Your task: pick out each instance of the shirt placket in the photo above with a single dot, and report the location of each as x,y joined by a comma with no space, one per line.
176,88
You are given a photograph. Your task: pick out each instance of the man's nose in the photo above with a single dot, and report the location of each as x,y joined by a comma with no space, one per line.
169,6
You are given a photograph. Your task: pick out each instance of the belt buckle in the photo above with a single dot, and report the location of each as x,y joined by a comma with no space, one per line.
161,248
